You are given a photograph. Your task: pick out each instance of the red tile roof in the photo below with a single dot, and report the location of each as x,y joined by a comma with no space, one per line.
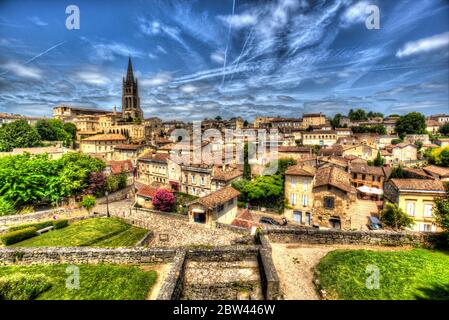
301,170
124,166
333,176
419,185
217,198
106,137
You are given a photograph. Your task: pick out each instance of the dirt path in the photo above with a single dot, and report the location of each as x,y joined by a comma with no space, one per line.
294,264
161,270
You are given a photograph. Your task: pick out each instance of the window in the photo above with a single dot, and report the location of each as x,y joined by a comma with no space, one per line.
231,202
305,200
220,208
305,185
329,202
293,182
297,216
293,199
410,208
202,180
308,219
193,179
428,210
354,176
425,227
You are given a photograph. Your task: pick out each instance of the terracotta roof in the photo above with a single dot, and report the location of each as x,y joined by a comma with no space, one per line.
301,170
294,149
124,166
336,150
333,176
365,169
419,185
150,191
440,171
154,157
128,146
432,123
417,173
403,145
243,220
106,137
225,175
217,198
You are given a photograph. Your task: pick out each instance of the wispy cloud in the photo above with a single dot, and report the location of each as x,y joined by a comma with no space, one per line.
157,80
239,21
113,50
93,78
22,70
38,21
425,45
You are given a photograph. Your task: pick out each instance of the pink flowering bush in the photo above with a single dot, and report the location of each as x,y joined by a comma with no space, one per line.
164,200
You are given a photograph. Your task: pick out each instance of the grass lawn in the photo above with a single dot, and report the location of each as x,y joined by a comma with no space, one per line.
95,232
404,275
97,282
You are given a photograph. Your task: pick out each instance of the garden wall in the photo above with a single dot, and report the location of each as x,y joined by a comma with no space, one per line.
117,196
314,236
41,216
82,255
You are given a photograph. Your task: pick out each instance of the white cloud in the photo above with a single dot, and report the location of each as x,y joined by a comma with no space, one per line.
23,70
424,45
161,49
239,20
217,56
38,21
355,14
188,88
109,51
158,80
92,78
152,56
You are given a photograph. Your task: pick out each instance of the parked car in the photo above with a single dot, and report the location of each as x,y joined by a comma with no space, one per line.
374,223
268,220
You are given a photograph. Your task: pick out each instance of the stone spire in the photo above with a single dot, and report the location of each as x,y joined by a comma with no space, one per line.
129,74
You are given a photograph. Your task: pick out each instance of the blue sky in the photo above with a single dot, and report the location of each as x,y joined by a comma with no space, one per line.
197,59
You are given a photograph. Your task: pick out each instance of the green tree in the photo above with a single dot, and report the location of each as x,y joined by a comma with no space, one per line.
88,202
441,212
357,115
266,190
379,161
45,130
397,173
372,114
70,128
411,123
6,207
246,166
438,156
335,122
18,134
283,164
444,130
394,217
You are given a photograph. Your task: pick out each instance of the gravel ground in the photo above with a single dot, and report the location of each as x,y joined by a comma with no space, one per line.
294,264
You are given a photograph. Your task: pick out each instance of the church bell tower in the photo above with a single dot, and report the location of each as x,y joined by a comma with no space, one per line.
131,110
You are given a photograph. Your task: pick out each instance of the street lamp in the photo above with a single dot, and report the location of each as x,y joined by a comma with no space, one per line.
107,204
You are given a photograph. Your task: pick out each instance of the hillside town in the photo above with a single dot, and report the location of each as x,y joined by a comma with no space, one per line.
340,171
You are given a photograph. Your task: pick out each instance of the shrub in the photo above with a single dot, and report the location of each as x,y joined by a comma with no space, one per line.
164,200
39,225
19,235
23,287
88,202
6,207
394,217
62,223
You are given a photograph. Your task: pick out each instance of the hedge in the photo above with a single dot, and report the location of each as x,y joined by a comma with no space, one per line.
59,224
38,225
23,287
19,235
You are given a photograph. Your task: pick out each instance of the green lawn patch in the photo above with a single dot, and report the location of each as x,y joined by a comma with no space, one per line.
404,275
97,282
95,232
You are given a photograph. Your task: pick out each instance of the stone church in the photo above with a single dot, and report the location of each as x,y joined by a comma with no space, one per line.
130,122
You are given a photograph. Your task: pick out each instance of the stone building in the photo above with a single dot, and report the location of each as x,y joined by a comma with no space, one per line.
102,144
416,197
298,192
319,138
313,119
365,175
401,153
128,152
219,206
152,167
332,197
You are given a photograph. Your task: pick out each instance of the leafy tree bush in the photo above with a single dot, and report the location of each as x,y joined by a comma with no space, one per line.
122,181
397,173
283,165
379,161
246,166
394,217
20,286
378,128
357,115
97,184
441,212
411,123
438,156
396,141
6,207
164,200
88,202
265,191
61,223
17,236
38,225
18,134
444,130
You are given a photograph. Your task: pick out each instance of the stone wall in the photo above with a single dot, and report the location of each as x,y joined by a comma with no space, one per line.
118,195
83,255
172,287
314,236
35,217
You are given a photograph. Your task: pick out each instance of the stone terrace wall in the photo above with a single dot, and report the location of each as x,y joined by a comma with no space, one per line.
117,196
35,217
81,255
172,287
314,236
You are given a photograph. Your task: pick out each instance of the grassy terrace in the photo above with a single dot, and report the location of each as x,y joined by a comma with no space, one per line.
97,282
96,232
404,275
